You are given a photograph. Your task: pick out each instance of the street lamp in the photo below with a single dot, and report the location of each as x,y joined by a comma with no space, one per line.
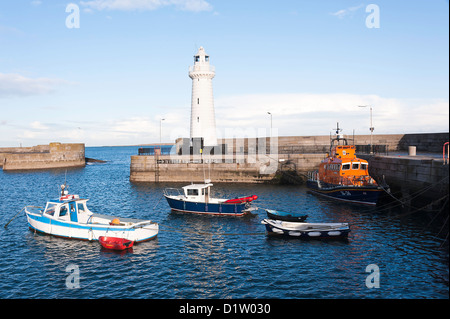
371,128
160,133
270,123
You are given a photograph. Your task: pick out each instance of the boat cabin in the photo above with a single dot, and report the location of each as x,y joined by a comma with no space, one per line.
343,167
197,192
343,151
66,210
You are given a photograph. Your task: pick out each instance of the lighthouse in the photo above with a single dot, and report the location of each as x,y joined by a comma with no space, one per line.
203,122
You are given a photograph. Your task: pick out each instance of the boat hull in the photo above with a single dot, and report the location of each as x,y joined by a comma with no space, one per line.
300,230
367,195
66,229
224,209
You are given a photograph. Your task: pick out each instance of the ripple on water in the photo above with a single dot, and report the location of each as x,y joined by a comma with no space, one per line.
212,257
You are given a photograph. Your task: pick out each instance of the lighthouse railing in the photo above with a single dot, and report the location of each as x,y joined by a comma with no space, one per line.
202,68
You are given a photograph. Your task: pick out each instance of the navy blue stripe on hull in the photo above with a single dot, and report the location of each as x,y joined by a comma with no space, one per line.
360,195
207,208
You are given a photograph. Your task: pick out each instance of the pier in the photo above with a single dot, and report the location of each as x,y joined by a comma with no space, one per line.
54,155
415,180
419,178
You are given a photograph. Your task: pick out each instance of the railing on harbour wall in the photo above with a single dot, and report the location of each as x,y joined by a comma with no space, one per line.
446,159
282,150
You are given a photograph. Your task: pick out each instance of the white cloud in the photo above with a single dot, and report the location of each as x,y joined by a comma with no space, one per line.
36,3
18,85
316,114
38,126
299,114
346,12
131,5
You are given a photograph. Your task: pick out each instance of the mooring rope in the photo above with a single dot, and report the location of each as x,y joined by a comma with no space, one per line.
208,233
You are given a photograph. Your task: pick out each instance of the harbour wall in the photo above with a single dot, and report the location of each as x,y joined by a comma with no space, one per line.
289,168
416,180
424,142
54,155
246,159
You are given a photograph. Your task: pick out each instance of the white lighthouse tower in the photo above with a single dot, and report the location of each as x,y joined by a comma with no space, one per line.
203,122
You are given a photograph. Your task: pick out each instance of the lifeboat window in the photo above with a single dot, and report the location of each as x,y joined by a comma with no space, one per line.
363,166
345,167
355,165
192,192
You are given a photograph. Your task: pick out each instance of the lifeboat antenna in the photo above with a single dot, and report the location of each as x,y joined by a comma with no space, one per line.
337,129
338,137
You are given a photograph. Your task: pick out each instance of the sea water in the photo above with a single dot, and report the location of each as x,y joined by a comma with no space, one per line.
389,253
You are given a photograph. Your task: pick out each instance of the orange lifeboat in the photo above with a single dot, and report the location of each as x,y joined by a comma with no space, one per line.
343,176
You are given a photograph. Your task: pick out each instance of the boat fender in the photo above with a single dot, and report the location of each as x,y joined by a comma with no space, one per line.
295,233
314,233
334,233
115,222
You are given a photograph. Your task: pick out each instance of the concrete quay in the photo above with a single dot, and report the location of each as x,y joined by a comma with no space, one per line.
283,159
415,180
54,155
273,168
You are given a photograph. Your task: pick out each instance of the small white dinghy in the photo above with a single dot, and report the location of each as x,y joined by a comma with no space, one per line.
307,230
69,217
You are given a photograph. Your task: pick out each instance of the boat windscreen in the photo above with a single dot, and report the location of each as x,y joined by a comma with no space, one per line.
50,209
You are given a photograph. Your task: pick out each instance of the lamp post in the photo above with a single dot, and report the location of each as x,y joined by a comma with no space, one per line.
371,128
160,133
270,123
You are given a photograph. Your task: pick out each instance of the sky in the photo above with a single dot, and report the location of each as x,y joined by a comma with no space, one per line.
109,74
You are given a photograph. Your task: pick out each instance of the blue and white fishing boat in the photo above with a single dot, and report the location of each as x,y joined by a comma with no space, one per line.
69,217
306,230
195,198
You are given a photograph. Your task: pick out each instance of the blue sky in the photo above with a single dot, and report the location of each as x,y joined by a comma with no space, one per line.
309,63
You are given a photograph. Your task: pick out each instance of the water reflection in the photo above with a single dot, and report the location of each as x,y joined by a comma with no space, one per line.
214,257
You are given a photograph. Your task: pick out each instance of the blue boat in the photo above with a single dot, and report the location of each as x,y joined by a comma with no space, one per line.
285,216
195,198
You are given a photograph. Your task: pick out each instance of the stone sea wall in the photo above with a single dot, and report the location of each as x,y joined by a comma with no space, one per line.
54,155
